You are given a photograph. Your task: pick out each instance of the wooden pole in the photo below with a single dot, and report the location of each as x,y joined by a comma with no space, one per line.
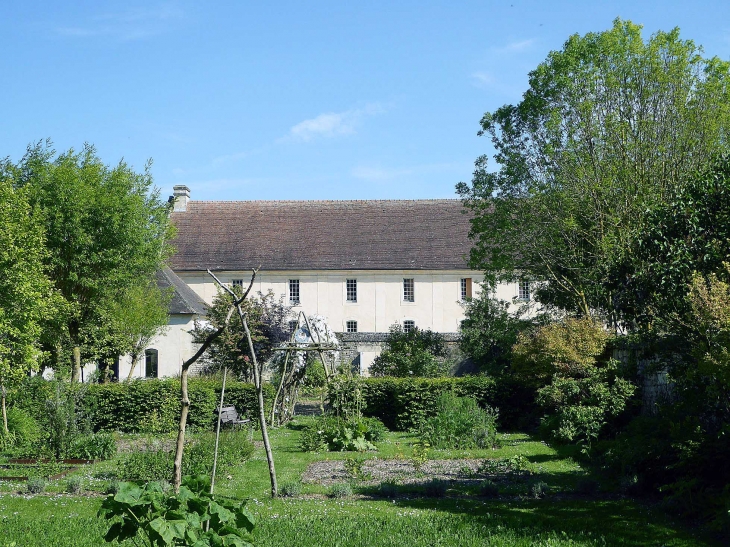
218,432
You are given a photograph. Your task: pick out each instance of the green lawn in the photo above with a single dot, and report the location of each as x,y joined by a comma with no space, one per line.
312,519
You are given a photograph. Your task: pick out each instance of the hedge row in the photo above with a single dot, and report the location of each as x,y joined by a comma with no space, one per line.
146,406
402,403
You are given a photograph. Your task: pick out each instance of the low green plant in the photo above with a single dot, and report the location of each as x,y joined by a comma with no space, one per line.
389,488
419,455
488,489
538,490
335,434
518,464
355,468
290,489
36,485
74,484
460,423
340,490
190,517
436,488
97,446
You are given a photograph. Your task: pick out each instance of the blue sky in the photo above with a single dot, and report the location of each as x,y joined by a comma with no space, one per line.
293,100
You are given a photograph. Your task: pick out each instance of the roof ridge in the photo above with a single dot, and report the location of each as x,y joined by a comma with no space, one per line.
323,200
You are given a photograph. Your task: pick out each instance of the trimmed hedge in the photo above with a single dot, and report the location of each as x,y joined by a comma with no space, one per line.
146,406
404,403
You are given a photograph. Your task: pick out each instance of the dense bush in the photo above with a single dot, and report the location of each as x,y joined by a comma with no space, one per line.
579,409
140,406
411,353
403,403
333,433
23,428
97,446
460,423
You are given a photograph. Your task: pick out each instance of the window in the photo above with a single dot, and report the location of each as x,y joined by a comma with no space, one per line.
292,326
351,326
408,325
150,363
237,283
523,290
294,291
465,288
408,290
351,286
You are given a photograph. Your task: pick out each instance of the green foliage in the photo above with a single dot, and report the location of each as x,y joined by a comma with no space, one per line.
340,490
419,455
403,403
66,419
345,396
488,332
24,288
190,517
354,467
24,428
537,490
336,434
290,489
578,409
141,406
411,353
568,348
600,137
155,463
74,484
96,446
106,230
436,488
460,423
488,489
36,485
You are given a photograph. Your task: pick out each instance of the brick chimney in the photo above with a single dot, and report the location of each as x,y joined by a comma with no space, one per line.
181,196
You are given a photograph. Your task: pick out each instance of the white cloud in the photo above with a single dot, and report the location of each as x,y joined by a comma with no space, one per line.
332,124
516,47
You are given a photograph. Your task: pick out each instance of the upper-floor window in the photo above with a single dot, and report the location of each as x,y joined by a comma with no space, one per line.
237,283
465,292
523,290
294,291
351,326
150,363
351,289
408,325
409,293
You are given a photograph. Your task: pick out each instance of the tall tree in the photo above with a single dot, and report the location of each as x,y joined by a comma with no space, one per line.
24,289
608,126
106,231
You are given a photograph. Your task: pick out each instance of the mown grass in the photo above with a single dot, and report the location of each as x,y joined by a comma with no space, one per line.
409,520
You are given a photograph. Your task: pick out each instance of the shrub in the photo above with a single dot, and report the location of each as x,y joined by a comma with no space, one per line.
290,489
24,428
488,489
36,485
336,434
355,468
340,490
460,423
97,446
436,488
153,465
412,353
389,488
538,490
74,484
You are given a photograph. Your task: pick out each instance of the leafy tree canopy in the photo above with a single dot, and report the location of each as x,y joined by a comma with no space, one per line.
24,289
106,230
609,126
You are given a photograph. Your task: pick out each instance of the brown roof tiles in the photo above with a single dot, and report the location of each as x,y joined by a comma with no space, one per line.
322,235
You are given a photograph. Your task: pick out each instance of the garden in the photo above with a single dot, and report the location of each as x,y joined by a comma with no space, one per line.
451,477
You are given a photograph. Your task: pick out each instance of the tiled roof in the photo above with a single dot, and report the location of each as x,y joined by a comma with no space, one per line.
322,235
184,300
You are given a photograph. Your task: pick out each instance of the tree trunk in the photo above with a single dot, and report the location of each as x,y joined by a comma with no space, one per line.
5,412
135,362
262,411
180,446
76,363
